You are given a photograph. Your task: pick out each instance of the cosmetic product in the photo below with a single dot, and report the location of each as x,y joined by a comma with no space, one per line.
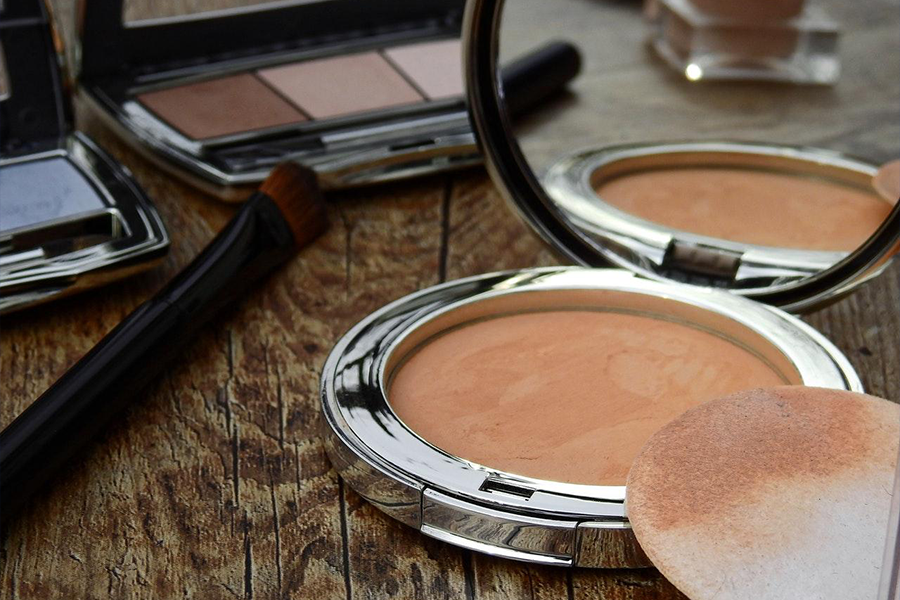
71,217
361,92
774,493
887,181
286,215
502,412
742,216
792,41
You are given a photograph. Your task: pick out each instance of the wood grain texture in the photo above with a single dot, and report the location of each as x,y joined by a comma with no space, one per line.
215,484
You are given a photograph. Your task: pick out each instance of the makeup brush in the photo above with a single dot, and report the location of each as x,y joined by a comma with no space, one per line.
285,215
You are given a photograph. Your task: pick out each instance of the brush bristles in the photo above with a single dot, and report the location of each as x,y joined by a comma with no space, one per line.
295,189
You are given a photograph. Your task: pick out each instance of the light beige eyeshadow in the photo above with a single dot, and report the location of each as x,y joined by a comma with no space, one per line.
342,85
435,67
565,395
753,207
224,106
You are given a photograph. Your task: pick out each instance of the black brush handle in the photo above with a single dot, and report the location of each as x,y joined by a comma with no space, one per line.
89,395
529,80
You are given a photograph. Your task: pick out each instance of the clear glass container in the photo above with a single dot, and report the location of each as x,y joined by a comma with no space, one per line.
802,49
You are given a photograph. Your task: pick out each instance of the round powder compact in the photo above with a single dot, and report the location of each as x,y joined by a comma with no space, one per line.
776,493
502,413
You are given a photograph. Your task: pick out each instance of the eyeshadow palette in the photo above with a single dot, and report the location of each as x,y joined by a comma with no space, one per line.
305,92
362,92
71,217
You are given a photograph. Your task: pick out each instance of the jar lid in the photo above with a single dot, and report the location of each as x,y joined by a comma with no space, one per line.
590,234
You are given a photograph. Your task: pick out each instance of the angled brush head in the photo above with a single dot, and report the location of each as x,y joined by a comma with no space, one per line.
295,190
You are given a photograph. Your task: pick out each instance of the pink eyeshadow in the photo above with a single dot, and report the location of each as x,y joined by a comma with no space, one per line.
342,85
435,67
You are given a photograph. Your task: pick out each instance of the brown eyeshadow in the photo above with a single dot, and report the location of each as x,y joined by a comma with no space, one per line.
435,67
342,85
564,395
753,207
219,107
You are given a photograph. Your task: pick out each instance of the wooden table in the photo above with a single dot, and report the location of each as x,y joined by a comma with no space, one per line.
215,484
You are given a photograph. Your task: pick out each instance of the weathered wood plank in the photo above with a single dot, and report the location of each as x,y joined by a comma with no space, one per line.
215,484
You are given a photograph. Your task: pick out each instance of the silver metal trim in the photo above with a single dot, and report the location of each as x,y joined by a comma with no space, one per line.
394,468
143,238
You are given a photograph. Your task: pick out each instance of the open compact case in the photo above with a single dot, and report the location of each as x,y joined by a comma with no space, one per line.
362,92
424,455
502,412
71,217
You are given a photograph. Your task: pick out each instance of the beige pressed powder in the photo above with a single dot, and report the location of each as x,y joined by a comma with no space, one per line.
568,395
750,206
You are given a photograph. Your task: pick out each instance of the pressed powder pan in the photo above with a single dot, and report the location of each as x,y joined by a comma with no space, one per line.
531,465
480,391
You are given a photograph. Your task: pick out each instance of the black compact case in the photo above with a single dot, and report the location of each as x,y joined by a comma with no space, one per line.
34,113
71,217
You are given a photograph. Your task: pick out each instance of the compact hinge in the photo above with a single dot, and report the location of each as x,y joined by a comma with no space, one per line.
702,260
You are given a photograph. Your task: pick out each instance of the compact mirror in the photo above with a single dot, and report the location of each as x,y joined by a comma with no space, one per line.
705,142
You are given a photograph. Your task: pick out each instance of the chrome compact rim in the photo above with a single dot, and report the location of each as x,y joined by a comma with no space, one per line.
493,511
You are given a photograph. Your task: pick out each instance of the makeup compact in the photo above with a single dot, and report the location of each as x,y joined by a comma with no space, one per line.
501,413
71,217
504,412
361,91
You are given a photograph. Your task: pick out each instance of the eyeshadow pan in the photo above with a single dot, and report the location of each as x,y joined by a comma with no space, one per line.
435,67
749,206
342,85
44,190
225,106
564,395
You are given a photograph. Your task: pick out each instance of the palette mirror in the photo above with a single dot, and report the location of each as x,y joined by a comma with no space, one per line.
706,143
139,10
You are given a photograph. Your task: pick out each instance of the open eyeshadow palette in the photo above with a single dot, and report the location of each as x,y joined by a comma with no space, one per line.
362,91
71,216
308,91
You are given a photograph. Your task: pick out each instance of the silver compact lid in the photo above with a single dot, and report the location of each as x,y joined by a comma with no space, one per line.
497,512
564,210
